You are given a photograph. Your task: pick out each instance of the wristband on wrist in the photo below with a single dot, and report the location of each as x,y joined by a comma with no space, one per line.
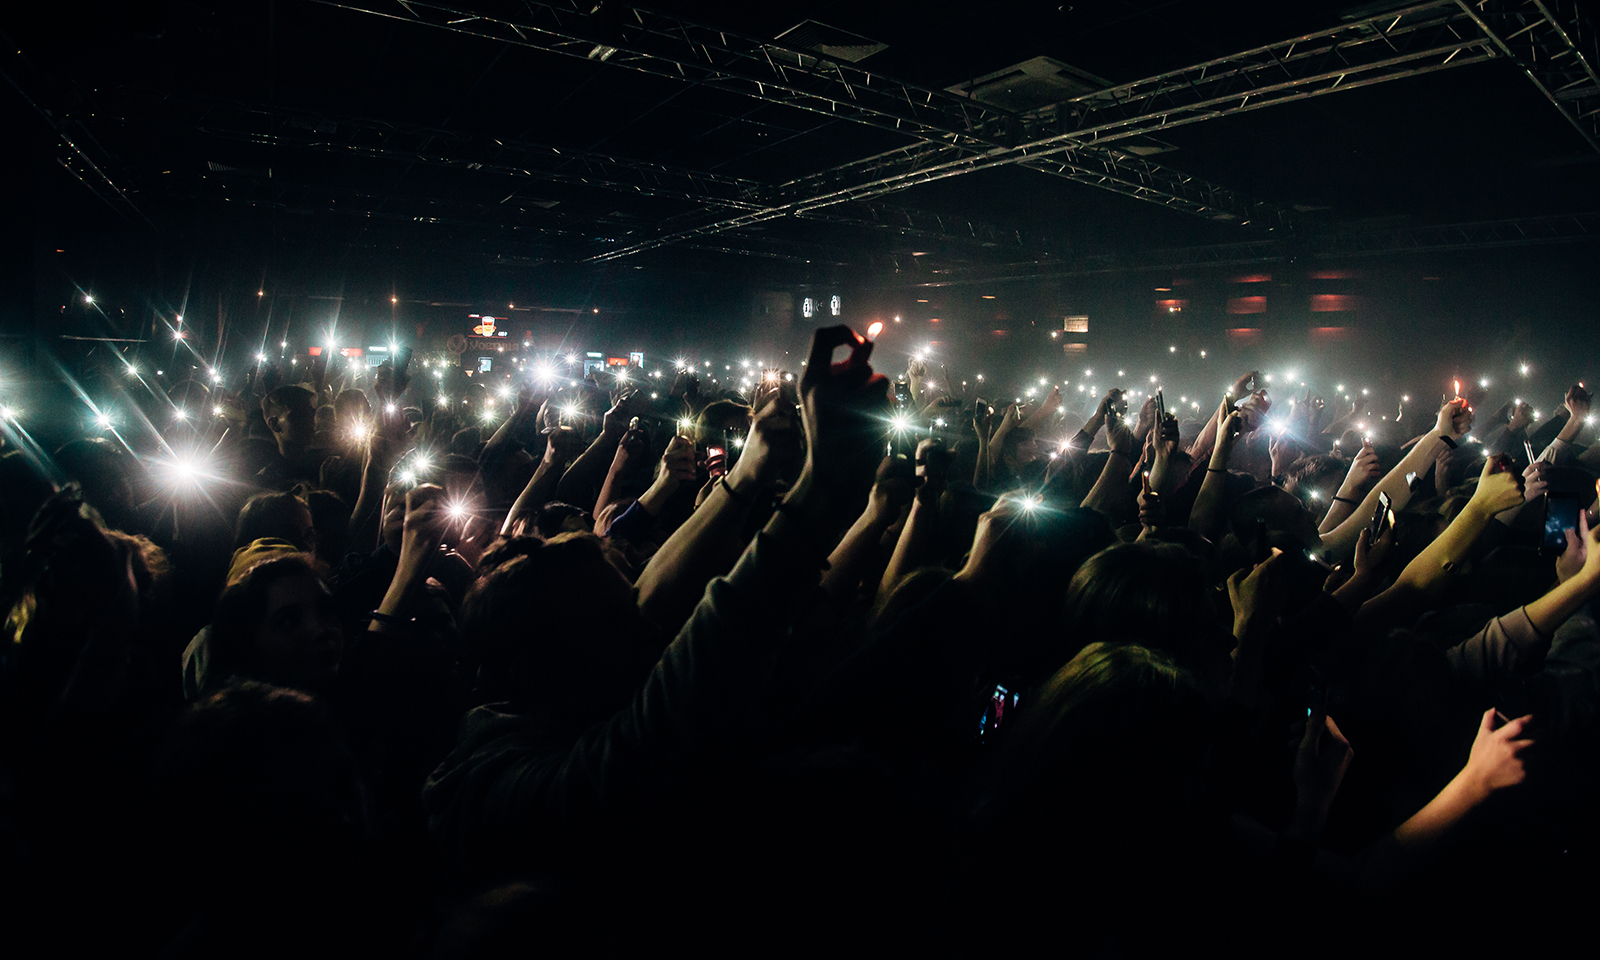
1449,442
1353,503
733,494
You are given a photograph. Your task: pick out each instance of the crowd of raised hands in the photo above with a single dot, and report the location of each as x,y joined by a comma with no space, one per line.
845,664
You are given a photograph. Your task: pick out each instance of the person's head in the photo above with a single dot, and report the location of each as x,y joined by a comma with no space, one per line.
1315,479
1150,593
278,516
326,420
1284,513
1114,741
291,415
718,418
352,408
105,472
556,625
257,767
557,518
276,623
466,441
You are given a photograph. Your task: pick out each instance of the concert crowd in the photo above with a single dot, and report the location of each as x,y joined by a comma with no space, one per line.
827,659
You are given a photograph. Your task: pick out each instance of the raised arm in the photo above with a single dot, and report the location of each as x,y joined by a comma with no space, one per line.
1205,518
915,548
1364,469
1453,423
1111,494
1499,488
580,484
676,576
560,448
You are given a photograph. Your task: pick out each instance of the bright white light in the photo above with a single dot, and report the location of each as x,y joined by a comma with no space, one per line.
1292,375
133,371
1122,373
261,358
422,463
678,363
685,425
1483,382
284,344
1152,378
980,378
1172,349
570,410
622,374
900,422
408,476
180,414
438,374
505,393
7,413
1365,391
390,408
216,411
88,299
216,377
1043,382
456,511
443,400
1524,369
104,420
177,334
1202,354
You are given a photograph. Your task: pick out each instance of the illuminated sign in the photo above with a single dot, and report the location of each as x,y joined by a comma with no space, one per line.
808,307
350,352
616,361
487,326
636,358
833,305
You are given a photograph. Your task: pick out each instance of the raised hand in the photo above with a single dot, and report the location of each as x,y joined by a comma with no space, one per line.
1147,418
1496,761
1364,470
625,405
1151,512
844,404
1258,594
1242,386
426,522
1454,420
772,449
1319,768
1578,402
1534,482
1499,488
1576,555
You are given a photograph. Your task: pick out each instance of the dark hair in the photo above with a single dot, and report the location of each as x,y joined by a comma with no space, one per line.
330,519
524,623
270,515
554,518
258,764
284,399
240,609
1150,593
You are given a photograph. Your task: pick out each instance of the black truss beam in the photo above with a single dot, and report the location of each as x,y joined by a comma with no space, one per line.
1416,40
668,46
1556,48
944,124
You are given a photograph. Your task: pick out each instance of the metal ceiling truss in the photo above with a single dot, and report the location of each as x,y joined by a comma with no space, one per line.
1556,48
1403,43
664,45
945,124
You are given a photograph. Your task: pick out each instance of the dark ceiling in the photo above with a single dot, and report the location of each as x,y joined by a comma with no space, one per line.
582,137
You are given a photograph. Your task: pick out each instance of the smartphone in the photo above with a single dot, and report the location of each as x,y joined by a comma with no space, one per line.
1377,517
716,461
1000,703
1528,447
902,392
1263,545
1560,515
1317,694
1161,411
402,364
